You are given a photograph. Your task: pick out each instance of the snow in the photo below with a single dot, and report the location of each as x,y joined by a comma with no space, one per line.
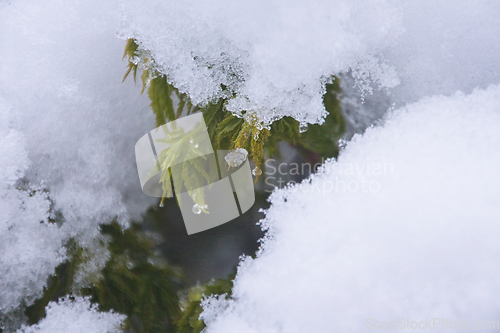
68,126
447,46
67,96
276,55
77,316
30,246
404,225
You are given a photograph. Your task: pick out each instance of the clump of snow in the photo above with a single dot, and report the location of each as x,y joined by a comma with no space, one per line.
405,224
68,127
30,246
76,316
236,157
275,55
68,98
61,74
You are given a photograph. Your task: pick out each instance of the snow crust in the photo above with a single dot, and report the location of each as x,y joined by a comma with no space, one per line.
404,225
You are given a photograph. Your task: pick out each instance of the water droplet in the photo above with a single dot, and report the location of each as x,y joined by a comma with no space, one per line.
257,171
256,136
302,128
236,157
161,205
196,209
193,143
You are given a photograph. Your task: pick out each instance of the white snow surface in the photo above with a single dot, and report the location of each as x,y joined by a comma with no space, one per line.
405,224
76,316
68,127
277,55
61,73
30,247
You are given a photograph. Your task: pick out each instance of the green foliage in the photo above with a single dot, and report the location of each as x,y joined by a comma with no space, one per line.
184,153
160,93
137,283
134,282
58,285
130,52
191,305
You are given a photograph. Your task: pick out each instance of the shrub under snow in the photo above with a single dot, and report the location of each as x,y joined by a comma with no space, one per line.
423,245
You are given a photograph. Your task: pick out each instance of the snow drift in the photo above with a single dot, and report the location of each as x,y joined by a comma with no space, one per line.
404,225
